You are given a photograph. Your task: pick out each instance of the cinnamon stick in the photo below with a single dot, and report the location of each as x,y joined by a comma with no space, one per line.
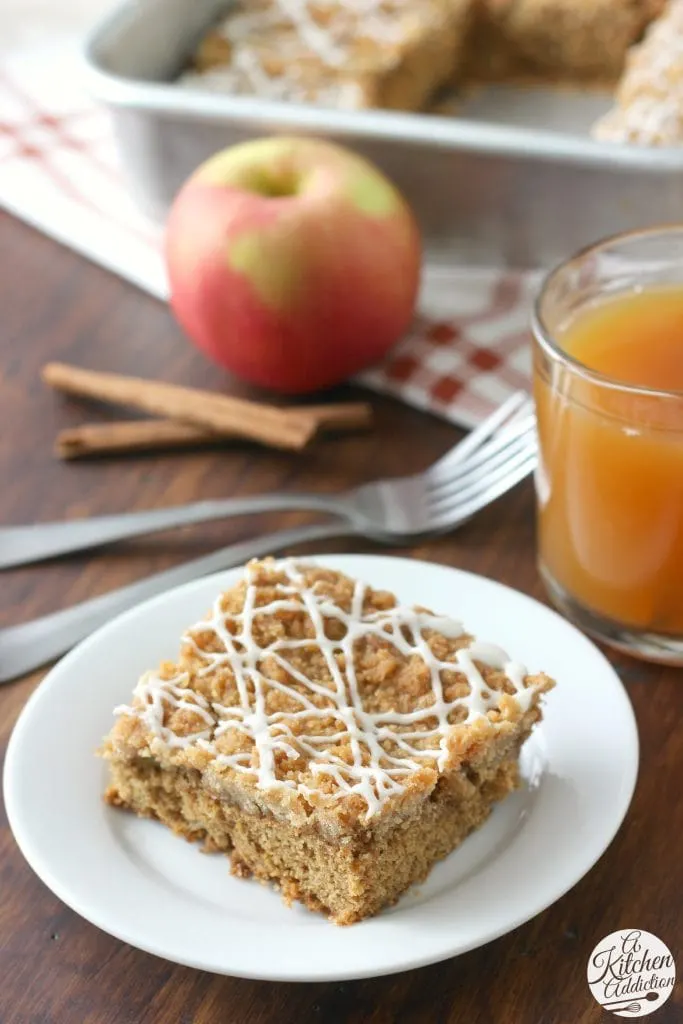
339,415
278,428
131,436
92,439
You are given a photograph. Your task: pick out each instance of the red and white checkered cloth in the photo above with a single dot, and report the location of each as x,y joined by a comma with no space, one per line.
468,349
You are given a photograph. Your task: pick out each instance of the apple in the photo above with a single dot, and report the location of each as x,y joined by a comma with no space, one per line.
292,262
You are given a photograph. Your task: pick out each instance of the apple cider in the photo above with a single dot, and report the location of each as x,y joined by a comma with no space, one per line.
610,476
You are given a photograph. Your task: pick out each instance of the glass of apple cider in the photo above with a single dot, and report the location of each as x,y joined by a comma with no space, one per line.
608,382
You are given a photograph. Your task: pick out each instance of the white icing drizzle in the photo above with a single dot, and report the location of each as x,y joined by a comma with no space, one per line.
315,38
374,772
155,695
307,50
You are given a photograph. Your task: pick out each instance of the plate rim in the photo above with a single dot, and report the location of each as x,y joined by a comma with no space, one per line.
40,865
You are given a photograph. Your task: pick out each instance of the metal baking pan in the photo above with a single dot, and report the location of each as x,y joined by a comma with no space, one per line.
489,186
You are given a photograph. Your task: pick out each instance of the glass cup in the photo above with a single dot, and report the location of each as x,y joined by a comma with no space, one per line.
609,482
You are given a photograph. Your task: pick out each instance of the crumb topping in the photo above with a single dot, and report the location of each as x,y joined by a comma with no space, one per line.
306,681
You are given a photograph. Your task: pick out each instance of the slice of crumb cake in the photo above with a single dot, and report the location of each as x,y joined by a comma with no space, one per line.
348,54
328,738
563,39
649,100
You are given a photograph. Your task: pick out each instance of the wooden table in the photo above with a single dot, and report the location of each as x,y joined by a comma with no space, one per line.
57,969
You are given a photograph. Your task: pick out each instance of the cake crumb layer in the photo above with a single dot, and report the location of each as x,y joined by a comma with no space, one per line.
347,882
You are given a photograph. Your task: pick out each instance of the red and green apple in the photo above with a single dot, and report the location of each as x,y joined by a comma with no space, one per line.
292,262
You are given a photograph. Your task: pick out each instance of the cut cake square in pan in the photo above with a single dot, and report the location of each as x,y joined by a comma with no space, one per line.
329,739
349,54
649,100
566,39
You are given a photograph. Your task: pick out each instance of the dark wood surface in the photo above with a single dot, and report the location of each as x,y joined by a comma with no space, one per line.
57,969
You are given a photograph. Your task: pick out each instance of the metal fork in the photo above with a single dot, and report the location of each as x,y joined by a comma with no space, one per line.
406,504
469,477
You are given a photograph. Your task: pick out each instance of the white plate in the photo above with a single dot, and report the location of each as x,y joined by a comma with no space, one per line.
137,881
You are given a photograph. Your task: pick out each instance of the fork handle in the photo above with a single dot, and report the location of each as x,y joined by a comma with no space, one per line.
26,647
21,545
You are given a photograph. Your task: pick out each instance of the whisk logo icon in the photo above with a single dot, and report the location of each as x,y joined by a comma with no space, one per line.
631,973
